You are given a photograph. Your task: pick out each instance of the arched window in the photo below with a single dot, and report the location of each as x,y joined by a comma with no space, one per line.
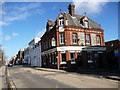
53,42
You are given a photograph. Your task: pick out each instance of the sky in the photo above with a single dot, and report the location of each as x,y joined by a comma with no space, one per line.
20,22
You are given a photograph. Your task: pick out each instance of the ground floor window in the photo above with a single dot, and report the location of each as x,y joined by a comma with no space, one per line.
90,60
72,56
63,57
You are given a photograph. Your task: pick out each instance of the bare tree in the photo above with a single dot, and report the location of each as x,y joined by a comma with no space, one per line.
2,55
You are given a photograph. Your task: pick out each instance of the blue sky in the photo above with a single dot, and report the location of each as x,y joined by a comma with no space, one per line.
23,21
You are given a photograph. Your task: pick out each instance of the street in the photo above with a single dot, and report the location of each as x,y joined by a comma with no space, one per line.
25,77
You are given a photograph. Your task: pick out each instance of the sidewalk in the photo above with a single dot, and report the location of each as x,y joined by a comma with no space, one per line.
2,72
98,74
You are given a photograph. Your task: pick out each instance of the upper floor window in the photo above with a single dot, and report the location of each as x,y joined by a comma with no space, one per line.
61,22
53,42
74,38
86,24
98,40
62,38
87,39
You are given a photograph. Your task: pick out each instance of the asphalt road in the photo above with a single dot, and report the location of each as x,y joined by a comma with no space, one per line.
27,79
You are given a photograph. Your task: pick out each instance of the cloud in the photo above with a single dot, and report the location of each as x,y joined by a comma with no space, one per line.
92,7
14,34
40,33
12,12
7,37
3,23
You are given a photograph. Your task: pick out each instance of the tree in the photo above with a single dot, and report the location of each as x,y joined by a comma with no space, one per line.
2,61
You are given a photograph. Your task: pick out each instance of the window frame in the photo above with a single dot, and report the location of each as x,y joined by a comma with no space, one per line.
86,39
74,38
62,40
97,39
61,22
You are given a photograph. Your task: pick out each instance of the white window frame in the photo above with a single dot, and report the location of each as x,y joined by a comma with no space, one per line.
61,22
74,35
62,38
86,24
86,39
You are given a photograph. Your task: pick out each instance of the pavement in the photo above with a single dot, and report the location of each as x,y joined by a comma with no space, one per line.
2,77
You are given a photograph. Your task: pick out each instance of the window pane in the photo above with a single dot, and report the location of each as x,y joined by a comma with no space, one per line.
63,57
61,38
98,40
72,56
86,24
88,39
74,38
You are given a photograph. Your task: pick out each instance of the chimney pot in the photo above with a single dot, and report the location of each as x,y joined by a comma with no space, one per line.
71,9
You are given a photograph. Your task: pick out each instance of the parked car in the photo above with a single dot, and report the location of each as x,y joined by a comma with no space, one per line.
10,64
73,62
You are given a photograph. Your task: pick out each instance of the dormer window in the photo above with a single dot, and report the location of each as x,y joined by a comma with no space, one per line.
61,22
86,24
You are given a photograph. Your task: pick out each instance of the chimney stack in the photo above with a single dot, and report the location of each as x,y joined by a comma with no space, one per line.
71,9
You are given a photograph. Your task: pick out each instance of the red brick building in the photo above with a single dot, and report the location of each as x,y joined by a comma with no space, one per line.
73,41
113,53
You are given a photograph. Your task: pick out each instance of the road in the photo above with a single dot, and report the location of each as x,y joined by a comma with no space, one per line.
26,79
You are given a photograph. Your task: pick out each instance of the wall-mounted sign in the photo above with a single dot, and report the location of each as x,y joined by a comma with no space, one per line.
94,48
116,53
96,56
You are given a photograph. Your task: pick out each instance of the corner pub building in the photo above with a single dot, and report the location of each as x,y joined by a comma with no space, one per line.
73,41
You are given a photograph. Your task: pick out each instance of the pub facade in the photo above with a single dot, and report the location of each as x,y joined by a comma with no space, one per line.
73,41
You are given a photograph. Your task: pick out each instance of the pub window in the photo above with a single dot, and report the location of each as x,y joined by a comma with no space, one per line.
87,39
72,56
63,57
74,38
62,38
90,58
98,40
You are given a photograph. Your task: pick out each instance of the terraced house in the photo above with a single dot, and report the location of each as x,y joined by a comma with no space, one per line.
73,41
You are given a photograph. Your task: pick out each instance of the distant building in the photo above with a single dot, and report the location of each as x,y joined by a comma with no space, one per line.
113,53
35,52
26,56
20,56
73,41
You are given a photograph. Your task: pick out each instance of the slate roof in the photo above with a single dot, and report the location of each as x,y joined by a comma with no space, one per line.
74,21
51,23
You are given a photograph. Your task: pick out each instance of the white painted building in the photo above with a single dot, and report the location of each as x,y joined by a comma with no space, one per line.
35,52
